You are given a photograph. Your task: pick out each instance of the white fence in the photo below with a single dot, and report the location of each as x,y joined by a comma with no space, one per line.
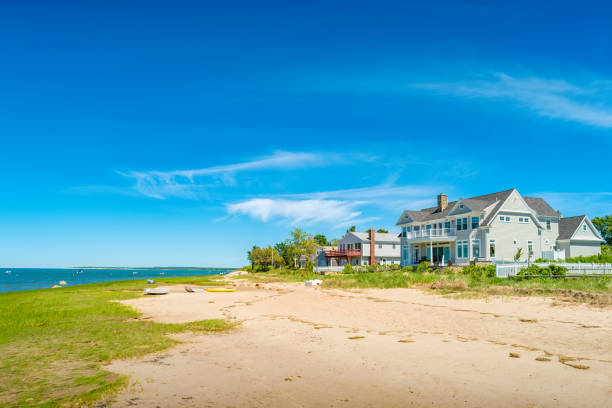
505,270
322,269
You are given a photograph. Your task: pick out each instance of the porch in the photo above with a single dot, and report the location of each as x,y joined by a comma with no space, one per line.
338,255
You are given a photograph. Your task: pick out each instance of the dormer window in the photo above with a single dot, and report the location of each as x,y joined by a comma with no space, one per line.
460,205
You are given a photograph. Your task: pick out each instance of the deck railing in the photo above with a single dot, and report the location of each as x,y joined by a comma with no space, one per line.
343,253
431,233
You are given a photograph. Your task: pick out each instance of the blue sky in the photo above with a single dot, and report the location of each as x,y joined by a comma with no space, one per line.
182,133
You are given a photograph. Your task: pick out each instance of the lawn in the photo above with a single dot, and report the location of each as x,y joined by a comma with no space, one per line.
54,342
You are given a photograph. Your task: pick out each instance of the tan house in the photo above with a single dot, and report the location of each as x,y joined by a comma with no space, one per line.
492,227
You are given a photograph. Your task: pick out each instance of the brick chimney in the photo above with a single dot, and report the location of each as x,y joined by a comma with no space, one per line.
442,202
372,245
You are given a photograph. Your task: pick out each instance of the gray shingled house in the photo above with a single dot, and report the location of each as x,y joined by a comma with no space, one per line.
492,227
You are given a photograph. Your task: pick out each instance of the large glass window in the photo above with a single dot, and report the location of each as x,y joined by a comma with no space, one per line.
475,222
447,225
548,225
476,248
428,226
492,248
462,224
462,249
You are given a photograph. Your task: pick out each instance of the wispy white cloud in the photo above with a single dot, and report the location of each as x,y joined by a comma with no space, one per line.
183,183
303,212
550,98
337,208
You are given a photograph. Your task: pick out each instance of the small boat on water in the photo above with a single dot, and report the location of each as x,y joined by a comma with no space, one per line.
151,281
220,290
8,272
80,271
157,291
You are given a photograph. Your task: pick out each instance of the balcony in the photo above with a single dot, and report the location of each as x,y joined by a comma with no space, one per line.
343,253
434,234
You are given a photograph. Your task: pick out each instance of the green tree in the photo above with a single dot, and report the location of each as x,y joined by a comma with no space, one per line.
382,231
264,258
303,244
321,239
518,254
286,252
352,229
604,226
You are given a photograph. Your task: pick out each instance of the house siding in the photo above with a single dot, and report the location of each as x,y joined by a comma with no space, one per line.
578,248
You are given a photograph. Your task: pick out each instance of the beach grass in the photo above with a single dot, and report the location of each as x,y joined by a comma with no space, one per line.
596,291
54,342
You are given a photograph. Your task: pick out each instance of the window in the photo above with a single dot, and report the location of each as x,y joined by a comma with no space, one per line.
462,249
523,220
393,246
416,227
515,241
428,226
530,247
548,225
460,205
358,245
408,229
379,246
476,248
405,252
504,218
475,222
447,225
462,224
547,242
492,248
584,227
350,246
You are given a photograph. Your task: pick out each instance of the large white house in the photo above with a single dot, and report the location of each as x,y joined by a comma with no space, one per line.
365,248
493,227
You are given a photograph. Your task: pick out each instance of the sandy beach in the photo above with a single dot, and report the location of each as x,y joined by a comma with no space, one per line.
308,346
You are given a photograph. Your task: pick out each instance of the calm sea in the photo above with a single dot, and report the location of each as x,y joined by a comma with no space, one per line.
29,278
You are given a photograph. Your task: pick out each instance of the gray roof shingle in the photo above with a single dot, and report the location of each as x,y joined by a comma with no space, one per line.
568,225
479,203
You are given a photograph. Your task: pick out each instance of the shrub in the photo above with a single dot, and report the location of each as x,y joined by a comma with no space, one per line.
541,260
348,268
407,269
423,267
551,269
479,272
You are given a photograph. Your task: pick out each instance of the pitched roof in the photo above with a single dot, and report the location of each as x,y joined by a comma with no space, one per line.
479,203
541,207
568,225
378,237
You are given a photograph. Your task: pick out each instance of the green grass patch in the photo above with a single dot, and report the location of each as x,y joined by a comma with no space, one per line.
54,342
470,282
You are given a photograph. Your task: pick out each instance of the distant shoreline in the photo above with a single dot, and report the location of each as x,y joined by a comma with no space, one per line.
157,268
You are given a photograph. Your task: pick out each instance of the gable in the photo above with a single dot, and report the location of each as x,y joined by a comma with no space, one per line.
515,203
458,210
586,231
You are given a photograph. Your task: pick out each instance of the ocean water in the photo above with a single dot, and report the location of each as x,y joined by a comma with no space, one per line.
30,278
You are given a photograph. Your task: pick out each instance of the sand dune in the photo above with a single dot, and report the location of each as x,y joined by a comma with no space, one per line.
304,346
